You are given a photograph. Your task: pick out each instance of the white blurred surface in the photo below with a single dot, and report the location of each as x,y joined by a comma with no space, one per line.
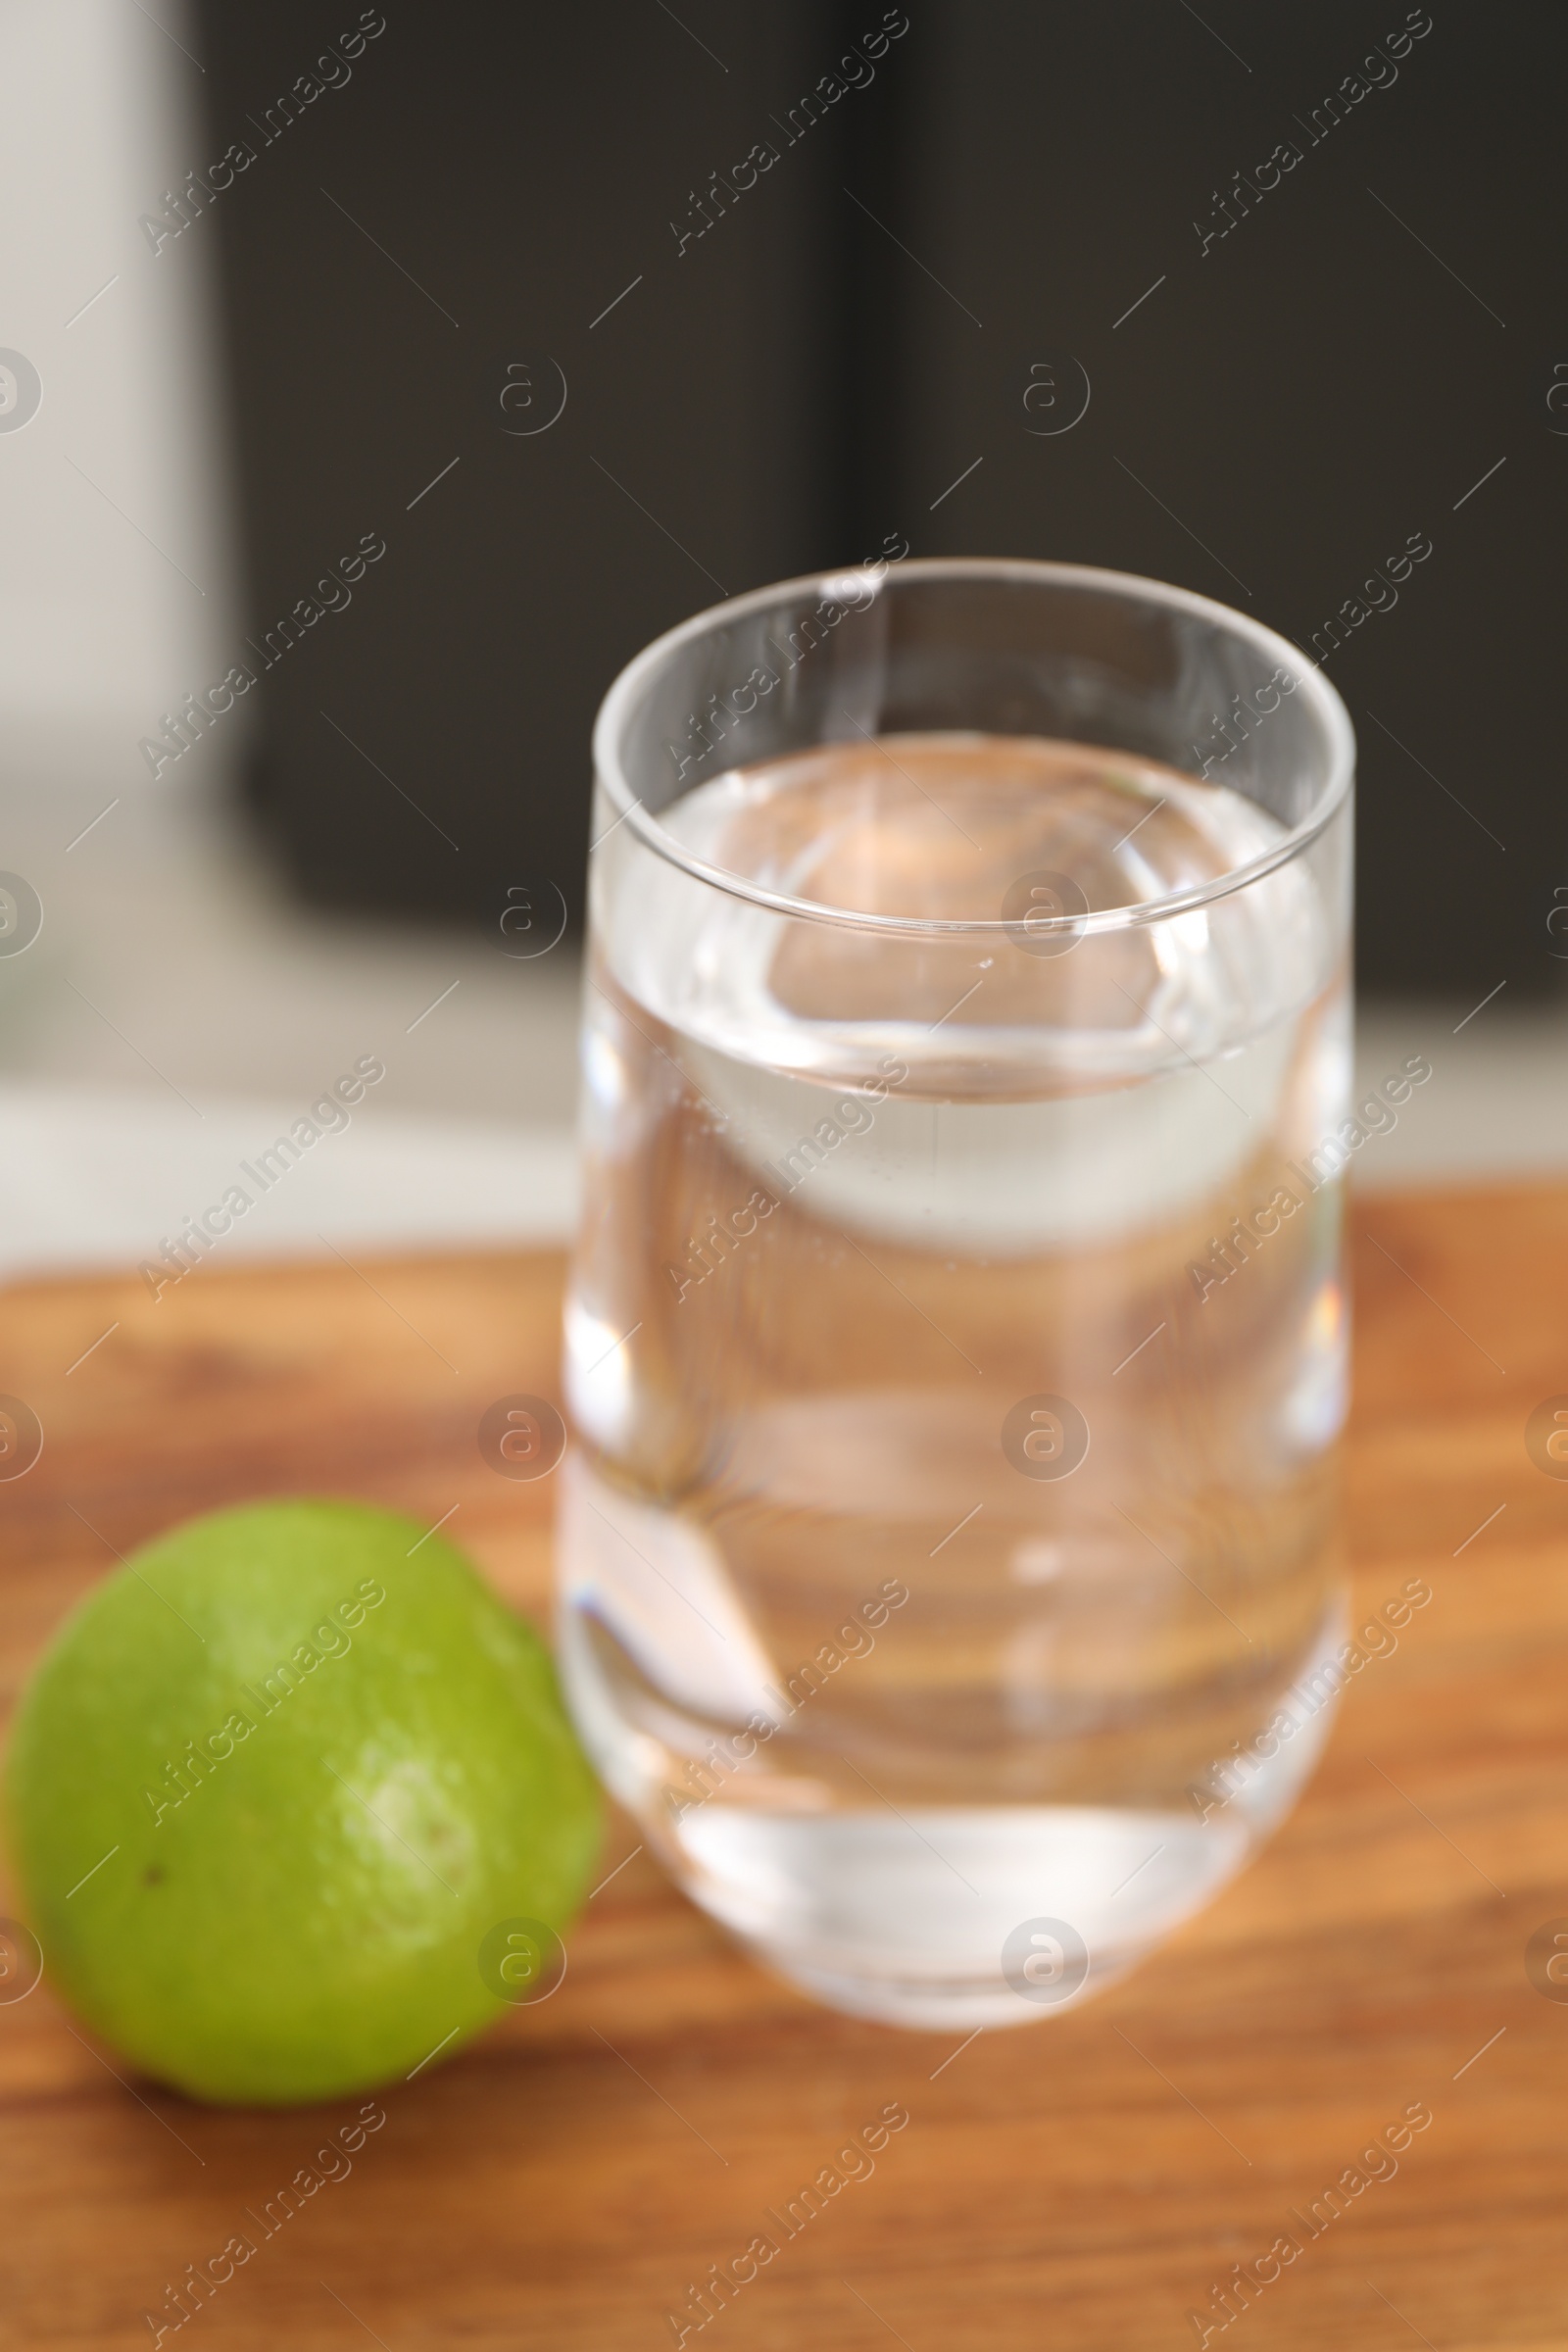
176,1014
1495,1107
100,1178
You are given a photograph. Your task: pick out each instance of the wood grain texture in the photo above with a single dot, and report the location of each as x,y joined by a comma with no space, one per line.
1083,2181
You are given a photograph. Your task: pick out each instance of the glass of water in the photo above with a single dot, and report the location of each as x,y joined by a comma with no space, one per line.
956,1343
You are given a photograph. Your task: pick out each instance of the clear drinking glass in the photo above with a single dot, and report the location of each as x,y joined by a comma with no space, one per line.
956,1343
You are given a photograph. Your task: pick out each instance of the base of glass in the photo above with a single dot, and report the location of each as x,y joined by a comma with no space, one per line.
953,1917
926,2008
942,1917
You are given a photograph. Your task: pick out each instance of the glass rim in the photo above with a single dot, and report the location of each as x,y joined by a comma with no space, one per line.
1327,704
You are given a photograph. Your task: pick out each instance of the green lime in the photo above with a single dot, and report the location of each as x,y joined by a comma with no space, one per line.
294,1804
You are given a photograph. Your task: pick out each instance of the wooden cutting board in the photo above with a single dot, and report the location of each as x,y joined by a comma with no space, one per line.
1086,2181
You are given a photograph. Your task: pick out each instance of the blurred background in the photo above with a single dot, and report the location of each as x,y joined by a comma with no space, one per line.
372,384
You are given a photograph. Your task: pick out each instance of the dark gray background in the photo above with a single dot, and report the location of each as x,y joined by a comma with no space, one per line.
1278,417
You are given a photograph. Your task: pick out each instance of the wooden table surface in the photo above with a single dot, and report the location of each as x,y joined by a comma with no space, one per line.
1085,2182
